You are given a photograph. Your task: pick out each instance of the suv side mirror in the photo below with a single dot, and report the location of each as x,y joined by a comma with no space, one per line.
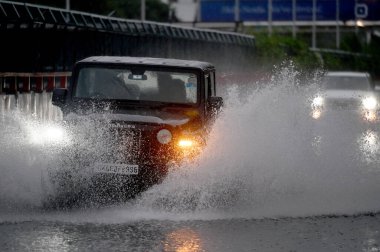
59,96
215,103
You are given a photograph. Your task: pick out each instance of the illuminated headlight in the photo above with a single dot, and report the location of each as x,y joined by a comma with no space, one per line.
49,134
316,114
186,143
369,103
318,101
164,136
370,115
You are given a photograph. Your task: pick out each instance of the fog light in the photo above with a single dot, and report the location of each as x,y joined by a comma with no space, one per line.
185,143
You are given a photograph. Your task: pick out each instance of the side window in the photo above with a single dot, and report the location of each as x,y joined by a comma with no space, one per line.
208,85
213,91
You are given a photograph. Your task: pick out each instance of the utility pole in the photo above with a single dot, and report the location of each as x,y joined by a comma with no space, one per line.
171,11
198,14
337,25
294,17
237,14
356,20
314,28
270,12
67,7
142,15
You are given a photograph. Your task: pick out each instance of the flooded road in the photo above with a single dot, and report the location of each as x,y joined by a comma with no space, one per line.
309,234
269,179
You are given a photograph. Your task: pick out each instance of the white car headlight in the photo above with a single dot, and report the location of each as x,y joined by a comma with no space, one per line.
47,134
369,103
318,101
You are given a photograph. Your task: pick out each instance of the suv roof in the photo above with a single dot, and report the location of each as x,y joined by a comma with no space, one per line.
148,61
347,74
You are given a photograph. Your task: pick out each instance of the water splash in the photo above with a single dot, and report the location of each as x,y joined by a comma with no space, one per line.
265,158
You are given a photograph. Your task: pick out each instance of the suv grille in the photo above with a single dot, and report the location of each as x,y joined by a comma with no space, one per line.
343,104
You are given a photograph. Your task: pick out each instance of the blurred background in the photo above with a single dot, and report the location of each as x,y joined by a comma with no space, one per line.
329,34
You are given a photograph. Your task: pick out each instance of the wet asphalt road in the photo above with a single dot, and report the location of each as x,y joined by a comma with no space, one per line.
345,233
279,168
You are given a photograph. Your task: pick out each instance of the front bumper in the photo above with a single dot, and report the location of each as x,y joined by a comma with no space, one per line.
78,175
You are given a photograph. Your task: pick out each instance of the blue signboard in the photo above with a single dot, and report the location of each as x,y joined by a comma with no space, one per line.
282,10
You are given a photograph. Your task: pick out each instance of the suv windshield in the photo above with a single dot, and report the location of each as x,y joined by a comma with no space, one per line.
346,83
136,84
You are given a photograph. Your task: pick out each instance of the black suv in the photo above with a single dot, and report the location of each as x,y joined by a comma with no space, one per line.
155,112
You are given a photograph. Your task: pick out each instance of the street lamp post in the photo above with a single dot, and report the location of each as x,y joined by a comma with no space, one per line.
337,25
198,14
294,17
142,15
237,14
270,17
314,28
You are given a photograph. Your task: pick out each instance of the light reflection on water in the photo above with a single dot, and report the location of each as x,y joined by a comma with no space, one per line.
258,165
260,162
183,240
53,241
366,145
369,145
301,234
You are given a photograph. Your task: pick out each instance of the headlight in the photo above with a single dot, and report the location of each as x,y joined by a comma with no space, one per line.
48,134
186,143
369,103
188,147
318,101
164,136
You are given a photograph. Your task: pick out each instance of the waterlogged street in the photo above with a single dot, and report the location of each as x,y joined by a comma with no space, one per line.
306,234
270,179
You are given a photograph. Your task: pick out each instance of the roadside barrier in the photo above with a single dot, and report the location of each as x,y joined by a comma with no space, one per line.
31,93
11,83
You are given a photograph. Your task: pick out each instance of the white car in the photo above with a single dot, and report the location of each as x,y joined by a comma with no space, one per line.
346,91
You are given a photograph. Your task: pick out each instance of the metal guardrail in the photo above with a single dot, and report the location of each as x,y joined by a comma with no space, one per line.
22,15
339,52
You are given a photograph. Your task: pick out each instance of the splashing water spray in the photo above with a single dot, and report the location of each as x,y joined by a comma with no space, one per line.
265,158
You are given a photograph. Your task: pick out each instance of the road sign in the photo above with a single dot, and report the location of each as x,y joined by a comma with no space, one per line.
282,10
361,10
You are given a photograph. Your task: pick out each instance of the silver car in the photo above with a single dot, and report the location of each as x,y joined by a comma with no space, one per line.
352,92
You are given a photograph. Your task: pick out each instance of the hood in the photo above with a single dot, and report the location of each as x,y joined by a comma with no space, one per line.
138,116
347,94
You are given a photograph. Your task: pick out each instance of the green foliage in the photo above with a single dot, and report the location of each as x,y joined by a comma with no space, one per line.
155,9
373,49
273,50
354,54
351,43
357,57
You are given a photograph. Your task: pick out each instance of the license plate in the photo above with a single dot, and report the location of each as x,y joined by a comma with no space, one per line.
124,169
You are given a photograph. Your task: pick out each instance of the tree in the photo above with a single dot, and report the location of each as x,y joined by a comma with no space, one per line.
155,9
